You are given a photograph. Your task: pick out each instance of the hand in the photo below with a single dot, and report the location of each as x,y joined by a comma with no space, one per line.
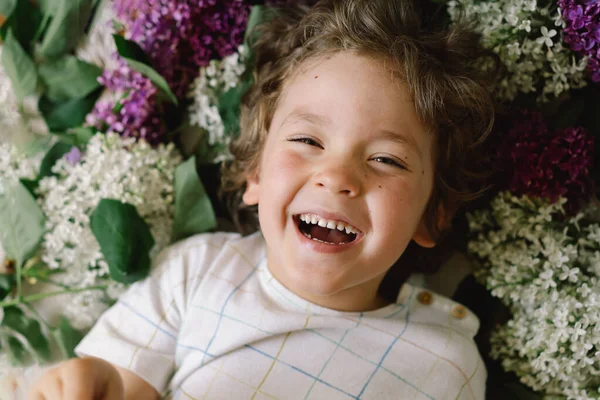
80,379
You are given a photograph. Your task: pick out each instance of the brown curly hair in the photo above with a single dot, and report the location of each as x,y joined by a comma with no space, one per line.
441,68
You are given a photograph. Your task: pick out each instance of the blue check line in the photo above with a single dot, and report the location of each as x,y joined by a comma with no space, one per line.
373,363
338,344
133,310
391,345
225,305
299,370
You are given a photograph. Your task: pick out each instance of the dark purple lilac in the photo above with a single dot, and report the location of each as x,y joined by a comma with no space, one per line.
582,31
539,162
180,36
132,110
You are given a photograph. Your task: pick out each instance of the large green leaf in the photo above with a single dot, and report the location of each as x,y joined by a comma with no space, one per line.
70,114
24,20
125,239
7,283
21,221
69,78
193,210
7,7
67,337
52,156
135,57
15,319
19,67
69,20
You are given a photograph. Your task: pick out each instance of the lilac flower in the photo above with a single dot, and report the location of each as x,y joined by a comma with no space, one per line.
582,31
74,156
182,36
132,110
539,162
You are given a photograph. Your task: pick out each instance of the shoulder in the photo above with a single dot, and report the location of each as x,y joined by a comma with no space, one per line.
427,306
201,252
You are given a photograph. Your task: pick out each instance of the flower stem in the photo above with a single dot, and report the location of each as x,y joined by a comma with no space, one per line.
40,296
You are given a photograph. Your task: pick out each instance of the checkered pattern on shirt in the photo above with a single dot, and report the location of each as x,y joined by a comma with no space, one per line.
212,323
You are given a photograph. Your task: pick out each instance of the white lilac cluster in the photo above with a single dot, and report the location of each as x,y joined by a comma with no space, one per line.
215,80
526,35
9,114
98,46
545,266
115,168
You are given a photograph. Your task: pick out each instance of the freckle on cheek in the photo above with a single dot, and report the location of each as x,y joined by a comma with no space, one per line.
316,76
379,186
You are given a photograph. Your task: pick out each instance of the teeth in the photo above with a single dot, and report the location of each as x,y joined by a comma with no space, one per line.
325,223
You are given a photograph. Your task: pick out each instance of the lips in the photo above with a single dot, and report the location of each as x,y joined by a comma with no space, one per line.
328,229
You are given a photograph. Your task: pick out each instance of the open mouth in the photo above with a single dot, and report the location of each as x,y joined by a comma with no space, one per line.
324,230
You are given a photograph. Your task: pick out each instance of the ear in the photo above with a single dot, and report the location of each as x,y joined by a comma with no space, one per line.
422,236
251,194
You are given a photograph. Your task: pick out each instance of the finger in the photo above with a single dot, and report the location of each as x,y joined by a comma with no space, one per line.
48,388
114,390
78,382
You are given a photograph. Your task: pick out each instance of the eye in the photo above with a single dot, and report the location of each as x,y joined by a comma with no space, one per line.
306,140
389,161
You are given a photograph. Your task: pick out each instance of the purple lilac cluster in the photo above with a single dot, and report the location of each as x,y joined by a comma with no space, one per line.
135,112
539,162
180,36
582,31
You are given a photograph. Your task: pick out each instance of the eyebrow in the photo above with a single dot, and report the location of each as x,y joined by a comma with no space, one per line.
321,120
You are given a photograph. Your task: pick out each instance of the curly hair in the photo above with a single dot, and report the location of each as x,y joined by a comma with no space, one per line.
440,67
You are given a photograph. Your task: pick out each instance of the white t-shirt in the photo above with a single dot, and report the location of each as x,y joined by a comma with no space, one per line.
212,323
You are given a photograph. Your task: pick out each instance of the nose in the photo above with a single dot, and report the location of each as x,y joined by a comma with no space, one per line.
338,178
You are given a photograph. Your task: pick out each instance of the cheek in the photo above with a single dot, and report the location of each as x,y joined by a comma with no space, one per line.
396,205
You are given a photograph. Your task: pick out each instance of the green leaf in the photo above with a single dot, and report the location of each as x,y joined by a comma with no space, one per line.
135,57
69,20
15,319
193,209
21,222
67,337
24,20
155,78
70,114
258,15
52,156
31,185
69,78
229,105
19,67
7,7
7,283
77,136
125,240
130,49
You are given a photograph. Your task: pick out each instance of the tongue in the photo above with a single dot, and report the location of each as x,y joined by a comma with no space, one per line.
329,235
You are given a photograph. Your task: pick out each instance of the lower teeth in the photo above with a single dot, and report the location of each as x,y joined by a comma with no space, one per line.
320,241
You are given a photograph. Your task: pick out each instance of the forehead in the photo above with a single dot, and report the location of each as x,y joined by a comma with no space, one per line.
349,89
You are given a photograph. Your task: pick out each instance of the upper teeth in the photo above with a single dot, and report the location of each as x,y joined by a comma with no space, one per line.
328,223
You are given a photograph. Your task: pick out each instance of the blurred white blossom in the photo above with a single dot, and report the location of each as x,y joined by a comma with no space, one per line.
545,266
522,33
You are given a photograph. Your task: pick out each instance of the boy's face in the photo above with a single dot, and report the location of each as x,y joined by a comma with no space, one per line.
345,147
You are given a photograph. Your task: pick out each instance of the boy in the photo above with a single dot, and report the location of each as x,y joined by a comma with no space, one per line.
356,139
